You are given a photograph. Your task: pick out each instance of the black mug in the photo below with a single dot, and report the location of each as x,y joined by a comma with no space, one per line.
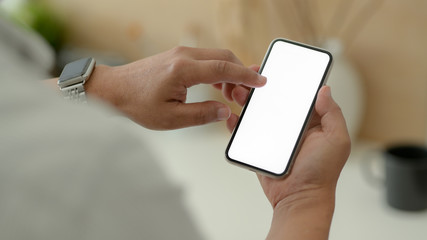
406,177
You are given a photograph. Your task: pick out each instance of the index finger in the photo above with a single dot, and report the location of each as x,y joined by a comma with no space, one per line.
220,71
208,54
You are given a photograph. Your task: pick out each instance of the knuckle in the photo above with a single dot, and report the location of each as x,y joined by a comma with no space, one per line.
228,54
222,67
338,108
346,144
197,116
177,65
200,117
179,50
342,137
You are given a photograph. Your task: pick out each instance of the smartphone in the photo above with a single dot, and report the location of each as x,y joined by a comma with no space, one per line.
272,122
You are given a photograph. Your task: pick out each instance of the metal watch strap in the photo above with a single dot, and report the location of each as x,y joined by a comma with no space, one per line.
75,93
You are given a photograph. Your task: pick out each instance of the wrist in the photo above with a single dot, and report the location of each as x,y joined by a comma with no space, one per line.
304,215
306,198
102,84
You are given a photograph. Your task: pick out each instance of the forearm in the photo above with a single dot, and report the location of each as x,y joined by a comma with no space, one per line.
52,83
304,217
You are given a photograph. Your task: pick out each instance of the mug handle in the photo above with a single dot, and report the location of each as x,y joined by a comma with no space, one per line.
373,168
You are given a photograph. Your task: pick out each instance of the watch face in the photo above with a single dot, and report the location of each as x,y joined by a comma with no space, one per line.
73,72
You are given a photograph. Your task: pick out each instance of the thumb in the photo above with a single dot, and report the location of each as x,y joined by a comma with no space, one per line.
193,114
330,113
325,103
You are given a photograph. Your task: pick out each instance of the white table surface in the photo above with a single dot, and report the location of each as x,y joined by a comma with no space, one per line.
227,202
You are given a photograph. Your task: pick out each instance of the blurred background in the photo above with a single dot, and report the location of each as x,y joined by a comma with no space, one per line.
379,79
381,43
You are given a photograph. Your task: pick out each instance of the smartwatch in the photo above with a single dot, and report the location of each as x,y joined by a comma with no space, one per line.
73,77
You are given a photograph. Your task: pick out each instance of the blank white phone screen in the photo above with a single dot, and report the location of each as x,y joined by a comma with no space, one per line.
275,115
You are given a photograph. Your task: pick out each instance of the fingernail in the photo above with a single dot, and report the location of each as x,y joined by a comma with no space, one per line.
223,113
327,91
262,80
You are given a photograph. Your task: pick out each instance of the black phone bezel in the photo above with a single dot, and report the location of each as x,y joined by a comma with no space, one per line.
306,121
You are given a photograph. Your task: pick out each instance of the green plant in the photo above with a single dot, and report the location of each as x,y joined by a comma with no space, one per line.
39,17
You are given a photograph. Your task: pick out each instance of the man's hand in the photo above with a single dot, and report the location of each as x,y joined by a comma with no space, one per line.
153,91
303,202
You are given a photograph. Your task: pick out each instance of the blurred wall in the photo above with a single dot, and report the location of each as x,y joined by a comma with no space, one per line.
392,56
385,40
136,28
